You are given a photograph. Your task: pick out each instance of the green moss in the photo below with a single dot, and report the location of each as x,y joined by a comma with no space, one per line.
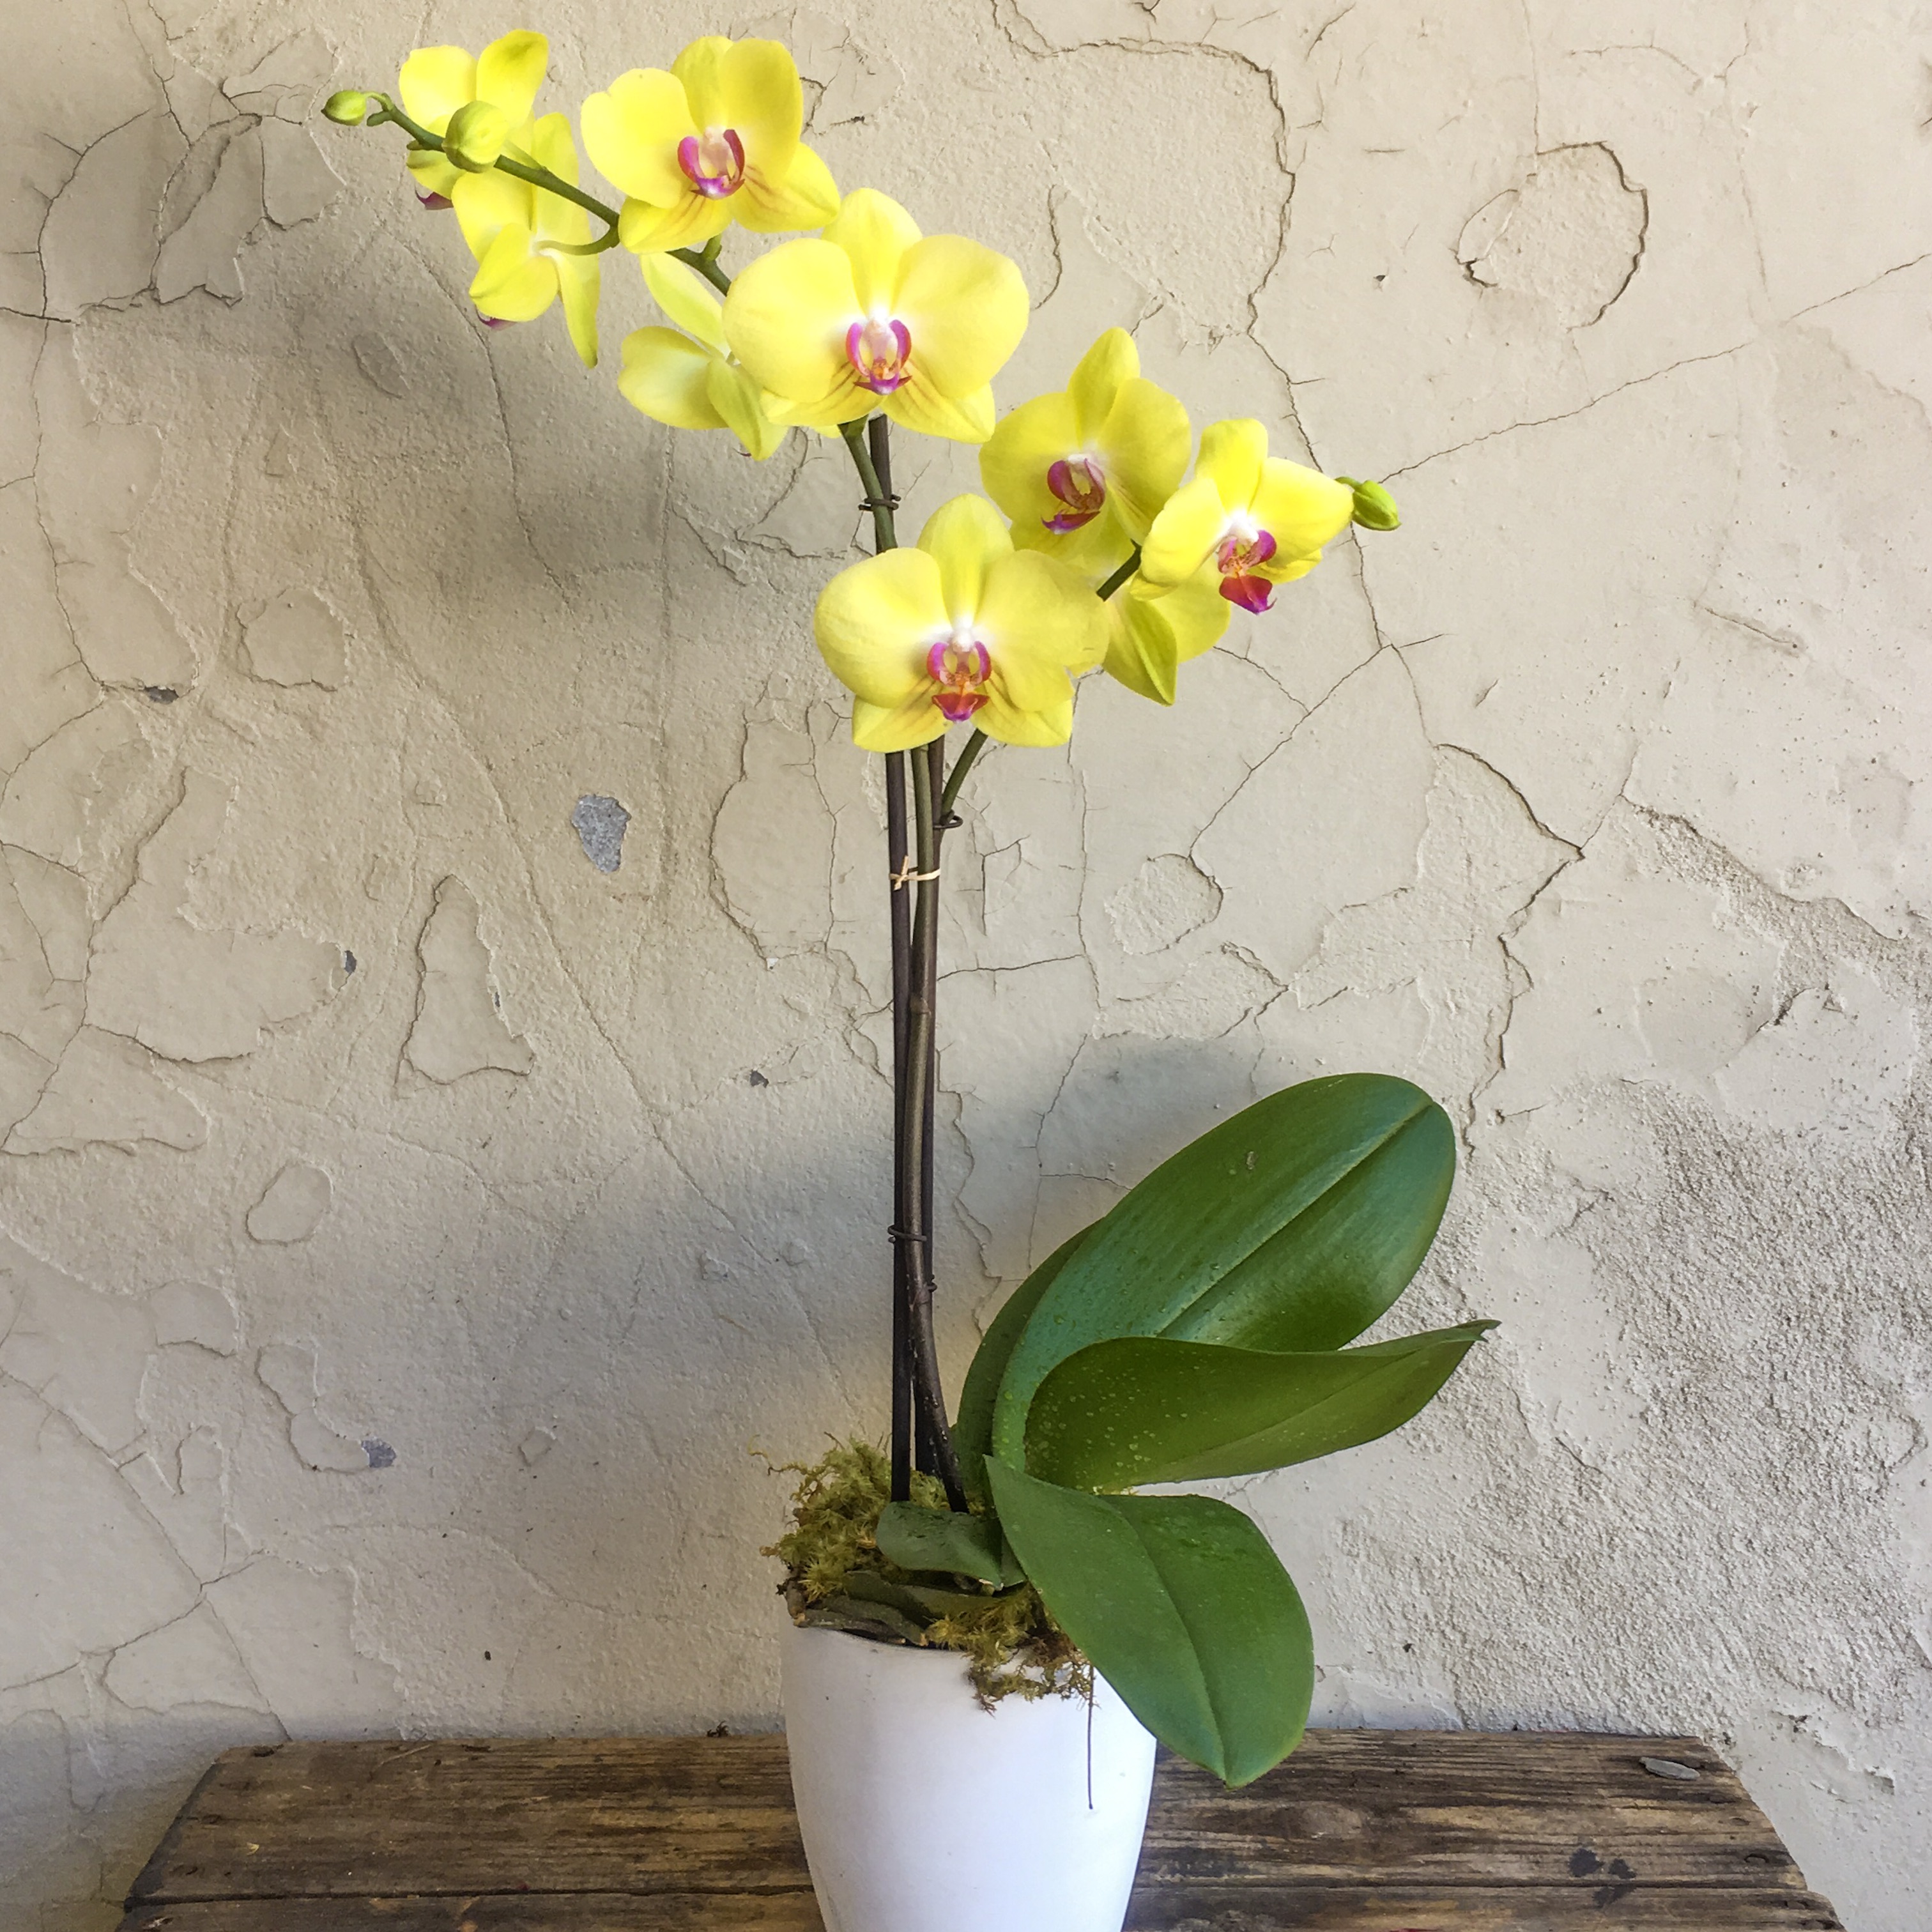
835,1576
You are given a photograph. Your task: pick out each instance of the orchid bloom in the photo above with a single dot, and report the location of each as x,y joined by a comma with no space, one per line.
964,629
1257,520
436,82
874,315
713,141
522,239
689,380
1083,473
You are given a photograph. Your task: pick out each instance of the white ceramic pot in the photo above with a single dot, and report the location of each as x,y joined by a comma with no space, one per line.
923,1813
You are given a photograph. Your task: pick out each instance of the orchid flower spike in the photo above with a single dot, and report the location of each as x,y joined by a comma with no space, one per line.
1257,520
964,629
523,237
1082,472
714,141
689,379
436,83
874,315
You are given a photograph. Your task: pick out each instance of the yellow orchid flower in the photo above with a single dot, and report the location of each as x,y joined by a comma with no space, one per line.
689,380
963,628
1257,520
714,140
521,237
436,82
1083,472
872,315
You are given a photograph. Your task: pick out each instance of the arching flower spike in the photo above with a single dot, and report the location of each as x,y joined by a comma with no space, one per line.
435,82
964,629
874,315
1083,473
689,380
515,230
1256,520
714,141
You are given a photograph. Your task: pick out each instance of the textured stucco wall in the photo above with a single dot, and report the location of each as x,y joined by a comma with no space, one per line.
408,1219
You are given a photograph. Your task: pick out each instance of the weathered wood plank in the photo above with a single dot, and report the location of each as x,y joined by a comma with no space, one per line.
676,1816
1406,1808
1160,1909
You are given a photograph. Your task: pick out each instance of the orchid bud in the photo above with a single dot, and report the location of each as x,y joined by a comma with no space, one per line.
1375,508
475,136
347,109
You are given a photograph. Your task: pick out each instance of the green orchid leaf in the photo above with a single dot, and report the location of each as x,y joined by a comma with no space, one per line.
1179,1603
864,1617
1148,1410
972,1430
1292,1226
916,1537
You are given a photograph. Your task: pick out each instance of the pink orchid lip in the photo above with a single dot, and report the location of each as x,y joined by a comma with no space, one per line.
879,353
435,200
493,321
957,668
1240,583
1077,482
713,162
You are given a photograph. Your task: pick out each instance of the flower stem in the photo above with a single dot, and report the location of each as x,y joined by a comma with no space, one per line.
921,1434
962,766
1120,576
705,261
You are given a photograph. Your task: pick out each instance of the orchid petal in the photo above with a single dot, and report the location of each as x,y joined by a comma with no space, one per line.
685,296
1232,453
786,318
875,621
1302,510
1013,464
697,70
875,232
1181,538
631,133
919,406
1096,379
689,223
737,399
1042,624
580,281
510,70
486,204
1143,444
761,98
913,721
806,197
667,376
964,536
434,83
513,283
966,308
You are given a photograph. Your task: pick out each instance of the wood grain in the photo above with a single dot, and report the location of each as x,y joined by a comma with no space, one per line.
1160,1909
1359,1831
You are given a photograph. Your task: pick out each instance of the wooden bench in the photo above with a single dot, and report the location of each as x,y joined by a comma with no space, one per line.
1359,1831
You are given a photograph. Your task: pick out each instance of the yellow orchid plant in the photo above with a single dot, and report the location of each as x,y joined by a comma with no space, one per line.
1198,1329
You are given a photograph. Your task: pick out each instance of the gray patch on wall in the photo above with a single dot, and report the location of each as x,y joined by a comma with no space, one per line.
600,824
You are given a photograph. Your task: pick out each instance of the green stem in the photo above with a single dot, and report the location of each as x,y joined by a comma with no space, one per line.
1120,576
956,777
705,263
522,171
884,536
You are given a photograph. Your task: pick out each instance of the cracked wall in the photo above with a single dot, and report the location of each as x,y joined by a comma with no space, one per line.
442,965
